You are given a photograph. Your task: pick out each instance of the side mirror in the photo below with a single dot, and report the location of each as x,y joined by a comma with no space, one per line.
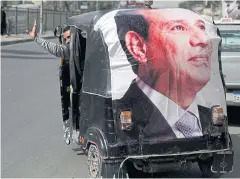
58,31
84,34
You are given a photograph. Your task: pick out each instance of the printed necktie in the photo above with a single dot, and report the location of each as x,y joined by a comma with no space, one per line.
188,125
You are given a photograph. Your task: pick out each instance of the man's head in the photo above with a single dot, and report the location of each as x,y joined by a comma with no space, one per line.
169,43
67,34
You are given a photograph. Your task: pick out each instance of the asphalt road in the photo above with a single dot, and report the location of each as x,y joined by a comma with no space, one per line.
32,135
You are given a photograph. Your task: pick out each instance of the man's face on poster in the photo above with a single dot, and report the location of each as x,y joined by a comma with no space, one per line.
177,45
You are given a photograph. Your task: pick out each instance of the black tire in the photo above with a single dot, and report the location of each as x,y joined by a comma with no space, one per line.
135,173
97,168
205,167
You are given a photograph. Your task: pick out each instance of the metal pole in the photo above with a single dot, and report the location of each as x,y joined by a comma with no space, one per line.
212,11
37,19
53,13
96,5
16,19
60,17
41,17
45,20
27,18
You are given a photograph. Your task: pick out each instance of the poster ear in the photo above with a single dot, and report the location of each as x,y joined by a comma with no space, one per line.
136,46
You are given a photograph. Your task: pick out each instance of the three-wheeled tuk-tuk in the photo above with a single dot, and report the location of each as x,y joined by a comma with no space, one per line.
147,92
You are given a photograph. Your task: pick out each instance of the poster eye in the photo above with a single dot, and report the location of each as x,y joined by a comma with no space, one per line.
202,27
177,28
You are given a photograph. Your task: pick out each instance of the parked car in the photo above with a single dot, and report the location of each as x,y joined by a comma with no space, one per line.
230,56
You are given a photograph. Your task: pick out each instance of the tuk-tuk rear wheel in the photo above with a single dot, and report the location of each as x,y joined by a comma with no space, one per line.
205,167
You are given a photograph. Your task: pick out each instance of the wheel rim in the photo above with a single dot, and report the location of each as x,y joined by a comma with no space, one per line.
93,162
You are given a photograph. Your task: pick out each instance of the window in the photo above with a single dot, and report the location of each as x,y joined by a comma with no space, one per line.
230,41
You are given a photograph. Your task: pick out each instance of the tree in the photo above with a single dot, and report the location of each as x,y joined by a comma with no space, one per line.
67,5
101,5
105,5
184,5
4,3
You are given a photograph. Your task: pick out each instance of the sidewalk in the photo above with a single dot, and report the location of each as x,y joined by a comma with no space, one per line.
20,38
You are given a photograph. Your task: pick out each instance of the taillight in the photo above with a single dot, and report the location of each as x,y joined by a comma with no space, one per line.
217,115
126,120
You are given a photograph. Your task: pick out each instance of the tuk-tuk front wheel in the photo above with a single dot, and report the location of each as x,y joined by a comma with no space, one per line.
94,162
205,167
99,169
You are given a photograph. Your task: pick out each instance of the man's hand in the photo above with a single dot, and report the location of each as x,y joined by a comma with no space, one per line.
33,33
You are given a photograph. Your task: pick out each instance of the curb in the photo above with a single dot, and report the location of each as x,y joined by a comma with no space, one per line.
22,41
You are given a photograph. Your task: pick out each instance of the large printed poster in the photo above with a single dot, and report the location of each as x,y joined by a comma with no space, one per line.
164,68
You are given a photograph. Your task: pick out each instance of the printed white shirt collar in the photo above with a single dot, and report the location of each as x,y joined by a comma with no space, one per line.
165,105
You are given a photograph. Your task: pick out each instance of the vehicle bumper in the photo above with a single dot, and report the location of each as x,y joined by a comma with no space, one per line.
206,144
153,156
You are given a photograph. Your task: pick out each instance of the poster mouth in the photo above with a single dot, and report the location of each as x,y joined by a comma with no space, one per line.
200,60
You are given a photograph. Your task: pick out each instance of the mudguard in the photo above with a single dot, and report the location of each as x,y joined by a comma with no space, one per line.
95,136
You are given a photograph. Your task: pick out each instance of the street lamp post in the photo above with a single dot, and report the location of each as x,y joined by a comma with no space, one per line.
97,5
41,17
224,9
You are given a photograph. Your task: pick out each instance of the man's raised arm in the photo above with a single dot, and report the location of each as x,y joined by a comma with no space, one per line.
55,49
